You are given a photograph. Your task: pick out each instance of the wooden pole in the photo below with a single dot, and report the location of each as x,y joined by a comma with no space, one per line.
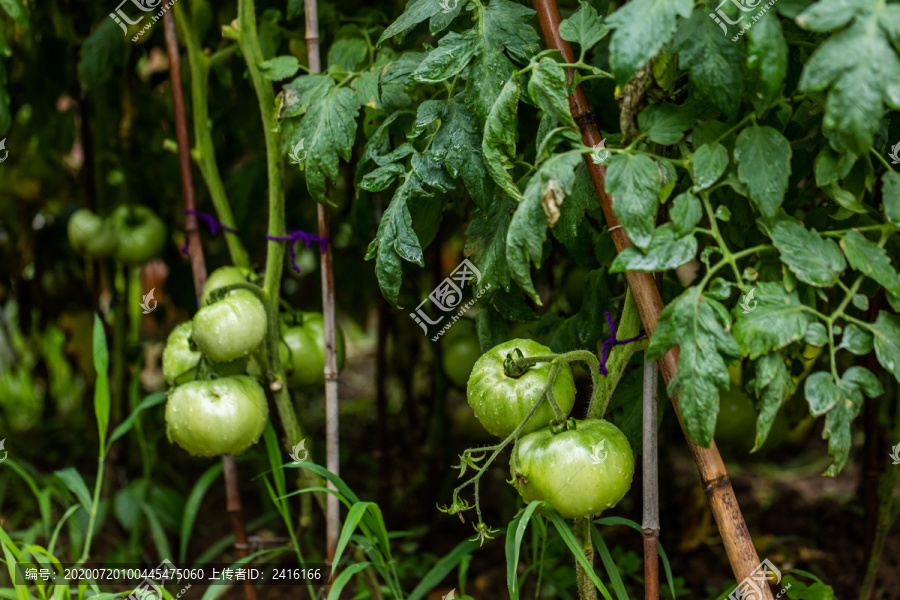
735,536
650,524
333,523
198,268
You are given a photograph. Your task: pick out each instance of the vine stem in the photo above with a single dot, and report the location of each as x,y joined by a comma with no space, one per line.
724,505
332,430
198,268
650,520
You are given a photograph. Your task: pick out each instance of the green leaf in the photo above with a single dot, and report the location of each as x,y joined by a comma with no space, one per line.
73,480
427,113
872,261
767,54
858,67
506,27
458,142
713,60
709,162
486,78
341,581
815,334
633,181
396,240
192,506
528,228
16,10
585,328
302,92
699,326
500,135
856,340
486,242
547,88
568,229
348,54
585,27
764,164
773,386
855,382
826,15
886,339
328,129
665,252
778,320
612,570
450,57
281,67
811,258
416,12
101,384
103,53
815,591
514,534
665,123
642,27
575,548
686,212
890,193
381,178
822,393
442,568
442,20
430,169
126,425
831,167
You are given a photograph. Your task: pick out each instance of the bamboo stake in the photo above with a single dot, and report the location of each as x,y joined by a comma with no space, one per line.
198,268
735,536
332,463
650,525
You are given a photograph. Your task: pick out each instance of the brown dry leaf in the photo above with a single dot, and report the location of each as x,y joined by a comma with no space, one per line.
551,200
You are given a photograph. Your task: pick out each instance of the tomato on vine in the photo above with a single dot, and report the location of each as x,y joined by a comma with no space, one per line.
223,277
220,416
303,350
501,402
140,234
230,328
461,351
90,235
580,471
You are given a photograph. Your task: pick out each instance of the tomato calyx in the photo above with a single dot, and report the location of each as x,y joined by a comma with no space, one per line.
514,366
557,427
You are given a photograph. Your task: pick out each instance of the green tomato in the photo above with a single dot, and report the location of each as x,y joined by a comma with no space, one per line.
461,351
181,360
223,277
230,328
580,472
736,423
303,350
221,416
140,234
501,402
90,235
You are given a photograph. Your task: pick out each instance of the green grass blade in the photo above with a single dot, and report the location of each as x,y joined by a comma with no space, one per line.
160,540
609,564
62,521
192,506
75,483
356,514
442,568
274,453
101,387
344,578
43,497
514,534
342,487
126,425
569,538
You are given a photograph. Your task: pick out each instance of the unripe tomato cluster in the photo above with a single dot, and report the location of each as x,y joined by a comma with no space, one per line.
131,234
227,414
579,469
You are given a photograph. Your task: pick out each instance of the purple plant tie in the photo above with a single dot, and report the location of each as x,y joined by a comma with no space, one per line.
214,226
612,341
293,237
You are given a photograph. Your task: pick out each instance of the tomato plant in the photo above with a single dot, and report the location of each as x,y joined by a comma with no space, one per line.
230,328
